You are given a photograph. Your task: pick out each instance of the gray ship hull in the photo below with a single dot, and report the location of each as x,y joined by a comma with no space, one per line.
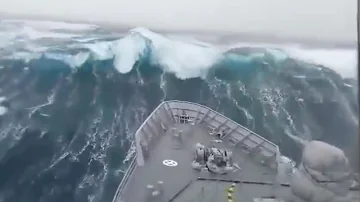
162,170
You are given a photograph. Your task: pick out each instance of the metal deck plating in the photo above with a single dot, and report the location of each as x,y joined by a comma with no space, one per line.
162,166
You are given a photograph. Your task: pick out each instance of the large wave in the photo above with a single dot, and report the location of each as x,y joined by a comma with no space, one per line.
72,100
30,40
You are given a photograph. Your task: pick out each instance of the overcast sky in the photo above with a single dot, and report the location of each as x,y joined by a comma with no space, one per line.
323,19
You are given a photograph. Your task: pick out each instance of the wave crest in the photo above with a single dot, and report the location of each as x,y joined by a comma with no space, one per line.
184,58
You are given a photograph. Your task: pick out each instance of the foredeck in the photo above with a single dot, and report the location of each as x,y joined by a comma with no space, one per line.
256,157
149,170
176,177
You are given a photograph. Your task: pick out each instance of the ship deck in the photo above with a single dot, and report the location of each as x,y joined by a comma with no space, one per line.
177,177
169,160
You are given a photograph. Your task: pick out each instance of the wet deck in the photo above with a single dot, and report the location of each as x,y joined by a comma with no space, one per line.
177,177
166,162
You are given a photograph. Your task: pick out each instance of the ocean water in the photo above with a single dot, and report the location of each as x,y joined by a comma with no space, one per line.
73,95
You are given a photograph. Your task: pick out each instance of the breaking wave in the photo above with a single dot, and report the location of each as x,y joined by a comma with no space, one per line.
71,98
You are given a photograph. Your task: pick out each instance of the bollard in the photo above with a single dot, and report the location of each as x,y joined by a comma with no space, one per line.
149,192
160,187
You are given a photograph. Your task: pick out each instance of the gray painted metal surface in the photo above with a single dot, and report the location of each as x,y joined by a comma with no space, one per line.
164,163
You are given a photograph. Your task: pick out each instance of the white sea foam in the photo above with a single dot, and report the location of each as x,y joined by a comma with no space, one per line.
343,61
3,110
186,57
25,56
128,51
33,34
187,60
71,60
24,32
52,25
100,50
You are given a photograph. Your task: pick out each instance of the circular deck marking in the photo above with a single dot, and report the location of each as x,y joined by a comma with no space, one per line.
170,163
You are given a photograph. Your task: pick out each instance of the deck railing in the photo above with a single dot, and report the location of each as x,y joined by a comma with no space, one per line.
124,179
234,131
169,112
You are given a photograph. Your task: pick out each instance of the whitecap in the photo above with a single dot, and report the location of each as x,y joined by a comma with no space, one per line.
128,51
3,110
185,60
51,25
185,57
343,61
100,50
71,60
189,60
